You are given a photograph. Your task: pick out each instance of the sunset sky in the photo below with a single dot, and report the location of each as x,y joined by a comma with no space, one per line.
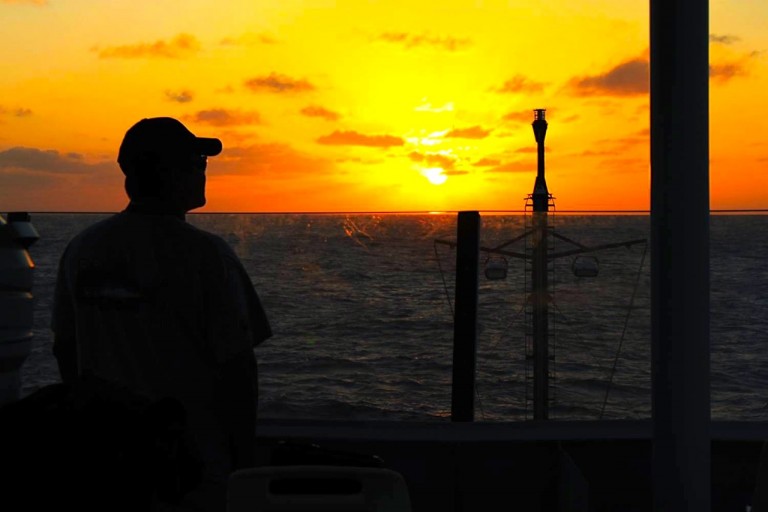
363,105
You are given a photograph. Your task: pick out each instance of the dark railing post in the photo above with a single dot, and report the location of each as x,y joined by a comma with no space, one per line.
465,316
680,254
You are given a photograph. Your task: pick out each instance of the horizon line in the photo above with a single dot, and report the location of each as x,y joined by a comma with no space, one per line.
372,212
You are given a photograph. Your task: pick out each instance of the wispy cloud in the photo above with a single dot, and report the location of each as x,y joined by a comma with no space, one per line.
272,160
181,46
278,83
630,78
445,162
625,165
519,116
571,118
620,145
15,112
181,96
487,162
599,152
727,70
249,39
512,167
321,112
518,84
31,2
474,132
225,117
42,179
353,138
46,161
726,63
409,40
723,39
428,107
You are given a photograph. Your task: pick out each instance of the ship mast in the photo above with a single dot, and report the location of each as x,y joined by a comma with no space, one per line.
539,291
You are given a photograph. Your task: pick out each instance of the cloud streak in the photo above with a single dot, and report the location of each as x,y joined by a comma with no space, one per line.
323,113
39,160
248,39
487,162
727,70
15,112
43,179
723,39
224,117
353,138
519,84
433,160
408,40
277,83
273,160
181,46
512,167
630,78
519,116
474,132
181,96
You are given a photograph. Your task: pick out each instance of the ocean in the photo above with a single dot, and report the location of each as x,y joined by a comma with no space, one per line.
361,309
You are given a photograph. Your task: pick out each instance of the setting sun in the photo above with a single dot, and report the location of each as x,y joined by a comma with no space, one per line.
435,175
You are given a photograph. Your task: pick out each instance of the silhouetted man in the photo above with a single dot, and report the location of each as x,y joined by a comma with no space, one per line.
149,302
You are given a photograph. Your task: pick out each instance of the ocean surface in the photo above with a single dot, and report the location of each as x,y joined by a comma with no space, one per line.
361,308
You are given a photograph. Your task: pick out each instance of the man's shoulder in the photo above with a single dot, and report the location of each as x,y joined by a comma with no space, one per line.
126,229
94,231
211,242
221,246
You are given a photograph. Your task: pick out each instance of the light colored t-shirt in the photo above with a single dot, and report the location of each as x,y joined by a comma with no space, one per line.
159,306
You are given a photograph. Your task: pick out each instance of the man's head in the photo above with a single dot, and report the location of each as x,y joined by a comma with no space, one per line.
162,160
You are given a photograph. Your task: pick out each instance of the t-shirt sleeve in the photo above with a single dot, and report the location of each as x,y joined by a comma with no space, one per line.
63,313
260,328
63,324
242,288
237,321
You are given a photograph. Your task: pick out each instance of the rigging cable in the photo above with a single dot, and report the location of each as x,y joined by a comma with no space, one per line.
442,276
624,330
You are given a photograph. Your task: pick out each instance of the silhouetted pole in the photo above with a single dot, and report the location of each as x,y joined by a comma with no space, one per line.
539,291
465,316
680,254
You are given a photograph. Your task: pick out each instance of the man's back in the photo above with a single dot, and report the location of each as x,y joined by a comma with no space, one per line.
160,307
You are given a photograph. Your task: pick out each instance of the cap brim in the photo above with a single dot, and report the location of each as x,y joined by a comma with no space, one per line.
208,147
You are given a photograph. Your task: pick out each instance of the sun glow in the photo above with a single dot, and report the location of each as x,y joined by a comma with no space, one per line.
435,175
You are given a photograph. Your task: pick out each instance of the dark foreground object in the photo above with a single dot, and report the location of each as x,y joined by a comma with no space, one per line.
549,466
102,449
91,446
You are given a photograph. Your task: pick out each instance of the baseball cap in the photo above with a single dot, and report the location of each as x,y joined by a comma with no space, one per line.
163,137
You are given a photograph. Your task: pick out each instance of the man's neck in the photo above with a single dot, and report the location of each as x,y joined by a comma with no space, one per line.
151,206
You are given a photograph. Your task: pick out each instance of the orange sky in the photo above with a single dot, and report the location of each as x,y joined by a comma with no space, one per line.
364,105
